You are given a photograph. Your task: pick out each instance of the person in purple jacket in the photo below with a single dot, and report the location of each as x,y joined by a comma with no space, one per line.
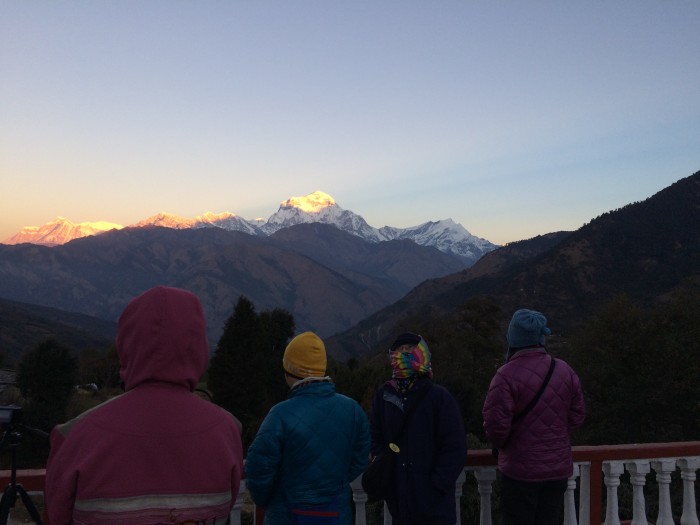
534,458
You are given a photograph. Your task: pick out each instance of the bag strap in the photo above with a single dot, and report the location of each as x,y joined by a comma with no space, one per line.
534,400
407,416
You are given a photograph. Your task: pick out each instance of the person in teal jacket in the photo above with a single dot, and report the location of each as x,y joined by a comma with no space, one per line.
310,446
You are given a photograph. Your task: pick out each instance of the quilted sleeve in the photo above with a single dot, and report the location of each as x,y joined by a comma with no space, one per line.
263,459
577,412
498,411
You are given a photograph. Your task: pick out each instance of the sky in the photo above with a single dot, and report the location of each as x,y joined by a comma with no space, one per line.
512,118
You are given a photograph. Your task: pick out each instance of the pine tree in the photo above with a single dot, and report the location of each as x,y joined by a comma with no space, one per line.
245,373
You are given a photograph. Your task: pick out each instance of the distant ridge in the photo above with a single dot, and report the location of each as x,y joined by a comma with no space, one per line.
646,250
318,207
327,278
23,326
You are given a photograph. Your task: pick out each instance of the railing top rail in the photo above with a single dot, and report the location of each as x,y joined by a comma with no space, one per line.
636,451
33,479
484,457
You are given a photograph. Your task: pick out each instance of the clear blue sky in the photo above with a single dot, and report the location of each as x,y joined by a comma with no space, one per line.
512,118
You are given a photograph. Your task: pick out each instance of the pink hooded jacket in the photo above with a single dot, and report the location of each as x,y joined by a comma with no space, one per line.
537,447
157,453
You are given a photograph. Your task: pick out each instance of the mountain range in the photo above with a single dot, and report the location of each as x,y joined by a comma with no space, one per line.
318,207
359,293
327,278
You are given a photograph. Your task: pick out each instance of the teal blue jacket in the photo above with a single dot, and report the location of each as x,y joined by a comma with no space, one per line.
307,451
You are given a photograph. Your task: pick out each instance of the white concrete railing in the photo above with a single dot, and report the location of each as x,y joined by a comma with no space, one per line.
593,472
596,469
638,469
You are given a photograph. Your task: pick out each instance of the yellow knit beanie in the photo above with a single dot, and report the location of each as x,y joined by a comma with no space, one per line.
305,356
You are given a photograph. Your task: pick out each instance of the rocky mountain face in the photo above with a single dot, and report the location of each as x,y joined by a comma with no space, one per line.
327,278
315,208
646,251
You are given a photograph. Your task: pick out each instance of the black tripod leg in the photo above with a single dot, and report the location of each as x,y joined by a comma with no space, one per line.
6,503
29,504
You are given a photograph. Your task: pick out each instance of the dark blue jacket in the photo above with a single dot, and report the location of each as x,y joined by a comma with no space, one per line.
433,452
307,451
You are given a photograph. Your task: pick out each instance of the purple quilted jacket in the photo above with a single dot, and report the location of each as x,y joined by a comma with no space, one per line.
537,447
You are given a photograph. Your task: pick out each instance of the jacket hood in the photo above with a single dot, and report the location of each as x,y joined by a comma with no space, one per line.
161,337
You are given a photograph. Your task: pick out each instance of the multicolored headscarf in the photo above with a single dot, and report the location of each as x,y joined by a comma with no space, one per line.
414,362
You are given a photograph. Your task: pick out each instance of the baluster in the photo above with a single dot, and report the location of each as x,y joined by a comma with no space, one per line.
663,469
458,494
584,497
235,515
387,515
612,471
485,478
688,468
638,477
360,498
569,500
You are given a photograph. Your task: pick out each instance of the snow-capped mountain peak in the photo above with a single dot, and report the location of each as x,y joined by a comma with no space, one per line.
60,231
312,203
166,220
317,207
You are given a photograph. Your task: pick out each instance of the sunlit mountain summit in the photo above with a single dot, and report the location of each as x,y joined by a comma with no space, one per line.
317,207
59,231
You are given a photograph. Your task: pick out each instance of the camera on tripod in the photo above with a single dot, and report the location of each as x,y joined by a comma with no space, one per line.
10,415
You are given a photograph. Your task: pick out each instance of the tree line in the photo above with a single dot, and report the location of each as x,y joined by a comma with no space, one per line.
638,366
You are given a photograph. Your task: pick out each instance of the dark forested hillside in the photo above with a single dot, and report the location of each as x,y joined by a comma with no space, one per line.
22,326
645,250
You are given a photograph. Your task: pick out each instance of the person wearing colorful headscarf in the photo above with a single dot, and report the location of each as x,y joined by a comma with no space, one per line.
432,448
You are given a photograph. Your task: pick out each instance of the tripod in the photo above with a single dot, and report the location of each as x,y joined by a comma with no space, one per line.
9,496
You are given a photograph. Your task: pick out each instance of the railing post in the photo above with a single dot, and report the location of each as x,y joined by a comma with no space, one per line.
485,478
688,468
360,498
569,500
638,477
458,494
612,470
235,515
584,495
663,469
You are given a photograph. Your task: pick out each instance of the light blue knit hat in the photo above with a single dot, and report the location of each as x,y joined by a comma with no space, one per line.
527,328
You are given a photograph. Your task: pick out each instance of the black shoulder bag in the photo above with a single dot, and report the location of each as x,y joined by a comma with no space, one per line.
378,478
517,417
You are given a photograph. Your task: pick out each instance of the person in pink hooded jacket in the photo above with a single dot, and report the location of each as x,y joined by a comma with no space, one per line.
157,453
533,440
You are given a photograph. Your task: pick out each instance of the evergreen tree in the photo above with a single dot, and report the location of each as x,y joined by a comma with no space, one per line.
245,373
46,378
